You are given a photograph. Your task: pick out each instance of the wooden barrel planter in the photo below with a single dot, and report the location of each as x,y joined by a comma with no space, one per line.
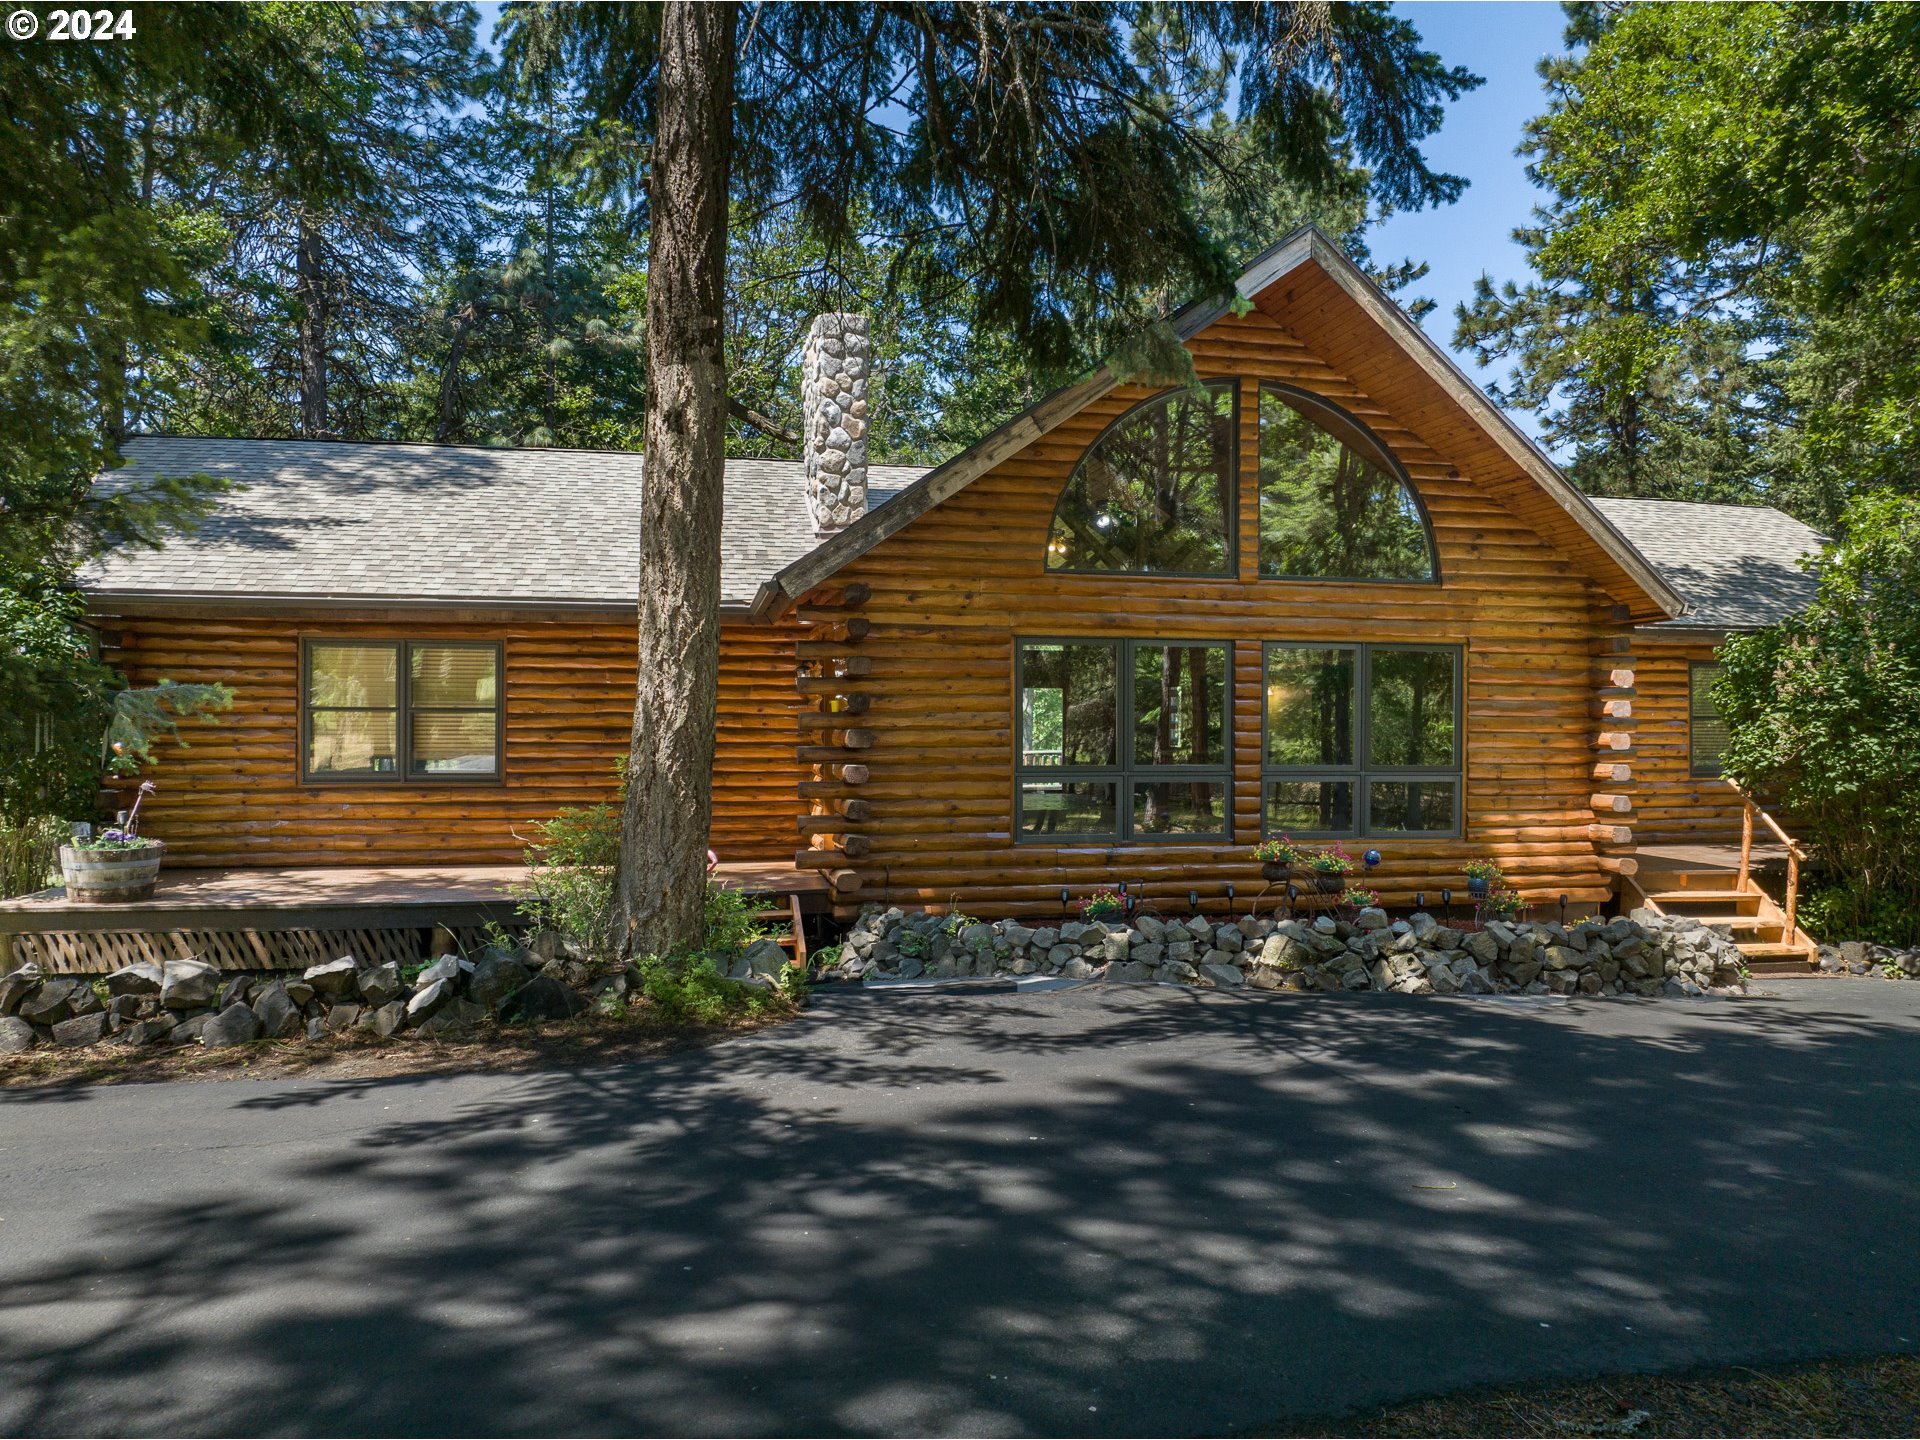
101,877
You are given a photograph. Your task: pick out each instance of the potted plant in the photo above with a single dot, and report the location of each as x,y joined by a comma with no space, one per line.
1362,899
1329,868
117,864
1501,904
1103,904
1277,858
1482,877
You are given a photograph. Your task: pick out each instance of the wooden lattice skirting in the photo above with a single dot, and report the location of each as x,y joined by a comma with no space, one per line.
74,952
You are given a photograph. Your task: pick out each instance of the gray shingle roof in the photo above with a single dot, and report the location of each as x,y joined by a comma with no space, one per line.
326,520
1736,564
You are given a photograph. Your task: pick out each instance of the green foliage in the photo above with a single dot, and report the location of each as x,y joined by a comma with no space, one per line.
570,876
1727,293
731,927
147,714
1823,715
692,991
29,854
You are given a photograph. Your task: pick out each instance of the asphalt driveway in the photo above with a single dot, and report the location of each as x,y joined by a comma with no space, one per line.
1131,1211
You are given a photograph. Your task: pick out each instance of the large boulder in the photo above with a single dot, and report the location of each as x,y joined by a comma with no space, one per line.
427,1000
496,975
16,1035
17,986
447,971
332,977
49,1004
142,977
765,957
235,1025
146,1032
1227,977
277,1013
188,985
81,1030
456,1017
380,984
545,998
384,1021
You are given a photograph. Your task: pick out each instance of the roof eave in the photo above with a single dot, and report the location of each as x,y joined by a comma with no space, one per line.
1274,263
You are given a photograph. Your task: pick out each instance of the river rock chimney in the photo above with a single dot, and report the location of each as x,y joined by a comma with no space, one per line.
835,368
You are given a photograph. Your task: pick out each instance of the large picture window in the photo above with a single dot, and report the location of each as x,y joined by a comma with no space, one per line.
1333,503
1154,494
1361,740
1122,739
400,710
1706,731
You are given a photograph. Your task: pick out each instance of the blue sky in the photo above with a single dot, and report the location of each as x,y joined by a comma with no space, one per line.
1502,40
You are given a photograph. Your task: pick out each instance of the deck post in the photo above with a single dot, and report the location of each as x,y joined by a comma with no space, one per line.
1746,838
1793,892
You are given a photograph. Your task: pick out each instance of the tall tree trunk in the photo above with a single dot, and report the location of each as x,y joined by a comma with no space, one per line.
660,891
309,289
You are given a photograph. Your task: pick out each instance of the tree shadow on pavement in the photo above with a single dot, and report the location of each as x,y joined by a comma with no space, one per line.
1098,1211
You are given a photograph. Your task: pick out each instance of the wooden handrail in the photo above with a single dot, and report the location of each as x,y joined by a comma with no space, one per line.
1750,808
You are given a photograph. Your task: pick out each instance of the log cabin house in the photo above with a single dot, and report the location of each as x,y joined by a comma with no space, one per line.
1332,593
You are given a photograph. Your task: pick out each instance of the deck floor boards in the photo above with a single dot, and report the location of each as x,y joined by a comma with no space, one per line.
264,897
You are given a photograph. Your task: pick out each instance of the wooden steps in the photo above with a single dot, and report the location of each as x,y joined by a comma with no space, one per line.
786,911
1721,898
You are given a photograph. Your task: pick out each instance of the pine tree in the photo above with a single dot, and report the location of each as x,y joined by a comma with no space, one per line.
1040,165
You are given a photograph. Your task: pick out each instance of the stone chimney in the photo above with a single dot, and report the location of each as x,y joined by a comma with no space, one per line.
834,371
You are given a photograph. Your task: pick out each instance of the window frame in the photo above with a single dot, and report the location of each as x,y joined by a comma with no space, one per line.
1694,770
1123,775
1360,773
1383,456
403,712
1230,502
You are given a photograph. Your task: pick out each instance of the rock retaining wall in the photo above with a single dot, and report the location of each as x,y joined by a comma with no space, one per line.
186,1002
1863,957
1645,955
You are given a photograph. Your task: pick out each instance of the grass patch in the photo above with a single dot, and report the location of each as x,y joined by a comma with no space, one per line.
1876,1396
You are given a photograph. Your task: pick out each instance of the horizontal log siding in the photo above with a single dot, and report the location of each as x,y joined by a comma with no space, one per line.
953,590
234,797
1674,805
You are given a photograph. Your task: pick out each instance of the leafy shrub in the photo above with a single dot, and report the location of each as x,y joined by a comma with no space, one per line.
692,991
1823,715
569,885
29,854
731,927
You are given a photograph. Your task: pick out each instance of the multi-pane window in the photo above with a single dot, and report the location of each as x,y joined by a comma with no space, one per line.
1122,739
424,710
1154,494
1706,731
1361,740
1332,502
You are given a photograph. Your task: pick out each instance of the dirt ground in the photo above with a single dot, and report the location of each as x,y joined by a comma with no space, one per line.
1878,1396
569,1045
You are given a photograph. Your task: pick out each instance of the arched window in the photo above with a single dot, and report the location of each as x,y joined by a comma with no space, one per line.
1333,504
1154,493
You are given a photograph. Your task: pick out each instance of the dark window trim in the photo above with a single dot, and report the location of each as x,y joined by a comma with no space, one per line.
1360,773
1232,502
1123,774
1388,461
402,711
1695,770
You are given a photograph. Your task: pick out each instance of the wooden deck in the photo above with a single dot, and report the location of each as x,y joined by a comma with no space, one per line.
275,918
1701,857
